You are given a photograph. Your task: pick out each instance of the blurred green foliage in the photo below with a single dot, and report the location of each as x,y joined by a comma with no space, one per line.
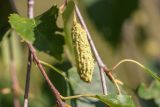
110,16
6,9
152,92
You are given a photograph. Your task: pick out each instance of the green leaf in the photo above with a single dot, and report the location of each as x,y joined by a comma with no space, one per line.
23,26
48,35
116,100
43,31
151,92
81,87
94,87
144,92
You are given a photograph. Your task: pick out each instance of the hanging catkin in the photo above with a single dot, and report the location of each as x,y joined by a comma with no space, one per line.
83,53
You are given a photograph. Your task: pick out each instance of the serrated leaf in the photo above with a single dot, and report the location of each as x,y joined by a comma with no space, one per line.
151,92
43,31
144,92
48,34
23,26
81,87
116,100
94,87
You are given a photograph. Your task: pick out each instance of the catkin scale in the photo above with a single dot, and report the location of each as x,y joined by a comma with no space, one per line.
83,53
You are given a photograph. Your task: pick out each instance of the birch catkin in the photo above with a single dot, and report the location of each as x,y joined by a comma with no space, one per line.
83,53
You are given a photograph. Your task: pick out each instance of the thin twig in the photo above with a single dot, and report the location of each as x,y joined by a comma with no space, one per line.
15,84
60,103
14,79
74,83
29,63
113,80
27,86
98,58
103,79
30,12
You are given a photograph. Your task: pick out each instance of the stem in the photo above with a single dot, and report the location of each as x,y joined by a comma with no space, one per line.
30,14
32,51
60,72
103,68
142,66
52,67
77,96
104,81
112,78
55,69
98,58
60,103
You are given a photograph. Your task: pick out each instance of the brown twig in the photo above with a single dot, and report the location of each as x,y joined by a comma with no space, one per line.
27,85
29,63
103,68
60,103
111,77
32,54
98,58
